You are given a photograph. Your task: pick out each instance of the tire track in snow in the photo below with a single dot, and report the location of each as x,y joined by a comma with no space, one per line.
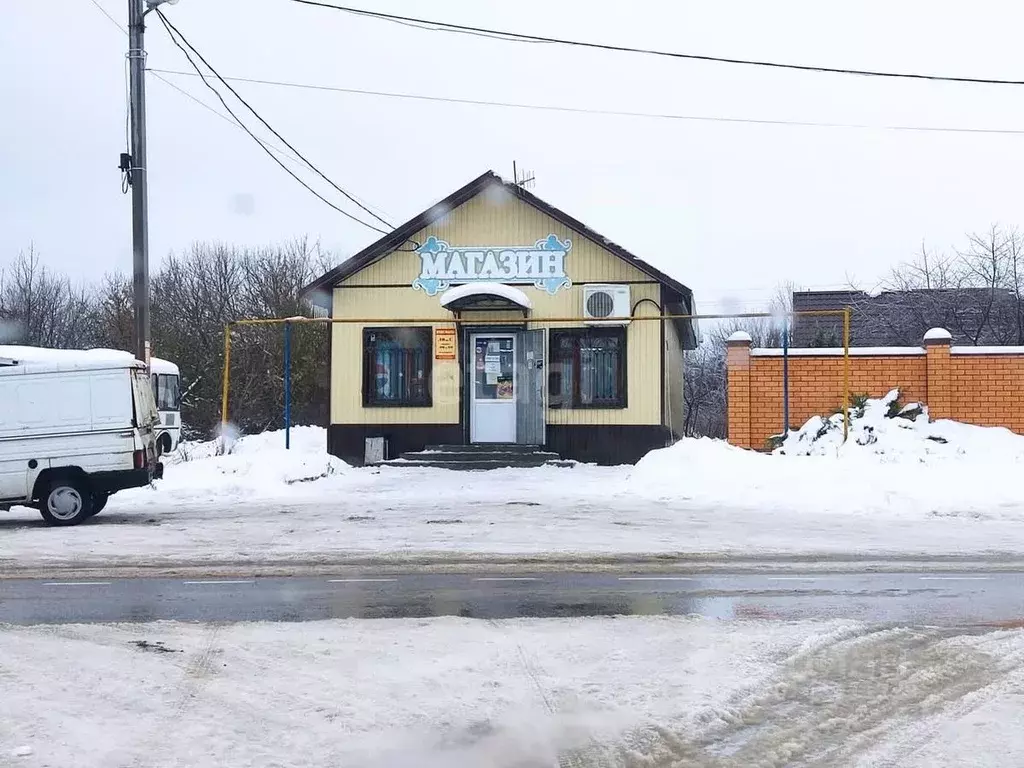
196,672
827,704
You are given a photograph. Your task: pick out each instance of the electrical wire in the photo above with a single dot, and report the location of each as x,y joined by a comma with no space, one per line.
126,175
281,152
126,178
156,73
170,27
602,112
529,38
106,13
262,146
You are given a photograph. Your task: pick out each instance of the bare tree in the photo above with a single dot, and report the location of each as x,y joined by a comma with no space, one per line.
704,370
975,292
704,391
112,320
195,295
38,307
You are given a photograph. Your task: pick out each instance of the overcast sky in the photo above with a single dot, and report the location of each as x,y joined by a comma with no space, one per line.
729,209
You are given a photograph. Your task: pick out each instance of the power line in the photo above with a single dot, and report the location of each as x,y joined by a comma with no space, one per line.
283,153
156,73
170,27
262,146
521,37
234,122
603,112
106,13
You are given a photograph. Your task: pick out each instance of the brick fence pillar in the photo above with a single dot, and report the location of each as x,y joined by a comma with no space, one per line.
940,385
738,389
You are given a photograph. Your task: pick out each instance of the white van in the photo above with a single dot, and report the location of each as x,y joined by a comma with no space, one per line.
75,427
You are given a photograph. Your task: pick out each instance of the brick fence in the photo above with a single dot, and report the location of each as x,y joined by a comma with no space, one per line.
978,385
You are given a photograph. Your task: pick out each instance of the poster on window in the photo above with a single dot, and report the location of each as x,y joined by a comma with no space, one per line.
444,343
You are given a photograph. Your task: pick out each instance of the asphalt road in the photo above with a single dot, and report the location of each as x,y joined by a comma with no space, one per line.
940,598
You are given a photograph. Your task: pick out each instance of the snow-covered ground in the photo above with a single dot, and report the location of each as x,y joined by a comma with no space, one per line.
458,693
898,487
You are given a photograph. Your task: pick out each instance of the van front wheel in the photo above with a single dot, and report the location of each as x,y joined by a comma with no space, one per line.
67,501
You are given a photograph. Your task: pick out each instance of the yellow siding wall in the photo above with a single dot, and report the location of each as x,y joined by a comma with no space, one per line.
493,218
674,411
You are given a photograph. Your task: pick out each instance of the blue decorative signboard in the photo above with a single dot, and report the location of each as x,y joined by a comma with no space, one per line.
542,264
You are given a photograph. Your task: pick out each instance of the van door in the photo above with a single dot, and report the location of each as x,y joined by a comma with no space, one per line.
147,418
14,472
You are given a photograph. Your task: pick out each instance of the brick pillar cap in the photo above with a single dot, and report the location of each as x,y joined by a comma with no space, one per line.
937,336
739,337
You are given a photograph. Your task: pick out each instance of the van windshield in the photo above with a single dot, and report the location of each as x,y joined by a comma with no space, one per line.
165,386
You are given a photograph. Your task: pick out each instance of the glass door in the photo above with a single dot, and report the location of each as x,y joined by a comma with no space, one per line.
492,413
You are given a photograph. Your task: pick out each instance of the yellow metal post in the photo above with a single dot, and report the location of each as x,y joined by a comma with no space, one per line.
227,375
846,373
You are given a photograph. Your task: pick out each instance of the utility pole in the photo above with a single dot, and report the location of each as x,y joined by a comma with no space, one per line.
137,175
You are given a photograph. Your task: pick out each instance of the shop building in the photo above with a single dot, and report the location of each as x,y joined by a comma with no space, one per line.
495,318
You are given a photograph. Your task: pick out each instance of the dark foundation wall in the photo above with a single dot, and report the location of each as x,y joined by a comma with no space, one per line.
348,441
606,444
598,444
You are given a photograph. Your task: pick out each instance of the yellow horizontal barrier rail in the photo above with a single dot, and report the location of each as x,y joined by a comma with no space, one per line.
844,313
476,321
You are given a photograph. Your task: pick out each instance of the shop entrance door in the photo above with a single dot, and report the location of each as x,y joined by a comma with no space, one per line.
492,412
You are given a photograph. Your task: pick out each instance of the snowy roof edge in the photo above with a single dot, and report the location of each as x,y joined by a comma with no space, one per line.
986,350
507,292
838,351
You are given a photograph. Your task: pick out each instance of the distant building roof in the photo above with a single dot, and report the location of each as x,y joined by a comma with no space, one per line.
974,316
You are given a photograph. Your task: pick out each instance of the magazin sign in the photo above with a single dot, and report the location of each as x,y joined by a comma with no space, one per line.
542,264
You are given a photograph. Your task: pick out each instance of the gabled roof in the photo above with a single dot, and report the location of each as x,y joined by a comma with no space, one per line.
402,235
974,316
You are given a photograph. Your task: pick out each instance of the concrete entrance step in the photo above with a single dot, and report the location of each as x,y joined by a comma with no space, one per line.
480,456
482,448
477,464
450,456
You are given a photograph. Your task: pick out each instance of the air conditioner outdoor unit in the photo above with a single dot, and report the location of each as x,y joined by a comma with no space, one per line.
606,304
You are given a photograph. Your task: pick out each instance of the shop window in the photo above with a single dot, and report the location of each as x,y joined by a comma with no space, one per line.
587,368
396,366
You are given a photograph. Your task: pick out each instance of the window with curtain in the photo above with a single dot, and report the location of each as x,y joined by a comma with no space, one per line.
587,368
396,366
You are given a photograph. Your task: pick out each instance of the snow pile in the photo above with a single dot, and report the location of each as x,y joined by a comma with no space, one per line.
251,465
885,427
896,463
